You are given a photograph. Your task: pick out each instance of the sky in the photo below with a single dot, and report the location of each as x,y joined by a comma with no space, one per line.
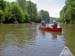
52,6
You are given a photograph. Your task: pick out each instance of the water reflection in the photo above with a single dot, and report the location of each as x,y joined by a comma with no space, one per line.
54,35
52,42
28,40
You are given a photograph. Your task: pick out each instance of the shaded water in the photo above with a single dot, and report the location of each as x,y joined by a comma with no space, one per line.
28,40
70,37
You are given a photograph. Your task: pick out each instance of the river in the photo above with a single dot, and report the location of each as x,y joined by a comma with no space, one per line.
28,40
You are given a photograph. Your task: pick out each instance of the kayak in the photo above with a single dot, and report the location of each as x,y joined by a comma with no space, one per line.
66,52
48,29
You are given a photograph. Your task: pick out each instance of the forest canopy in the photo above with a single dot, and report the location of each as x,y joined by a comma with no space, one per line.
67,14
21,11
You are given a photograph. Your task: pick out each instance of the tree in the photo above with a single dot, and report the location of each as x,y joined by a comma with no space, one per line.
1,16
18,13
31,10
22,4
13,12
62,14
44,15
7,12
67,14
2,5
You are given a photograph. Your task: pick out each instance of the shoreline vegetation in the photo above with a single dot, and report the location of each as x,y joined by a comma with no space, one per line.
23,11
67,14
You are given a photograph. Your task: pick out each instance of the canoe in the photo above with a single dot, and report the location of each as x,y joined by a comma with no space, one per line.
66,52
48,29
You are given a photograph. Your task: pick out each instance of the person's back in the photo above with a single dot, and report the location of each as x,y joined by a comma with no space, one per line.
43,23
55,25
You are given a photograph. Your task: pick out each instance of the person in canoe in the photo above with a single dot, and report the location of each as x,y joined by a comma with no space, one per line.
43,24
55,25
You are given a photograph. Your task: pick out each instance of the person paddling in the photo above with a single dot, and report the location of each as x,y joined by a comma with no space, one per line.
43,23
55,25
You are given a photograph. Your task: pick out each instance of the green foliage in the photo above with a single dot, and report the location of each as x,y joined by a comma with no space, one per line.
7,12
67,14
18,13
22,4
11,13
44,15
22,11
38,20
31,10
2,5
54,19
1,16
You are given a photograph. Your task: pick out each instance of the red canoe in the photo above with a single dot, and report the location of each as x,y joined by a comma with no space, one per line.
51,29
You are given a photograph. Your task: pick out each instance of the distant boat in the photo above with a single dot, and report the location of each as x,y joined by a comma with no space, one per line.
49,28
66,52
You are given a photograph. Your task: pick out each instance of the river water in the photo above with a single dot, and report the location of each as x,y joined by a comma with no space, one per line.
28,40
